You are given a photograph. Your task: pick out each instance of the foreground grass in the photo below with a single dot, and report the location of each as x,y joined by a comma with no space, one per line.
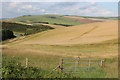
47,57
13,67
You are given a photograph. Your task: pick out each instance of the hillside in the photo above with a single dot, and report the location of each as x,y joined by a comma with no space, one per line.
89,40
54,19
82,34
97,18
25,29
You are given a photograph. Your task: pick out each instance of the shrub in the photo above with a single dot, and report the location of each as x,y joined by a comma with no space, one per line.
12,69
7,34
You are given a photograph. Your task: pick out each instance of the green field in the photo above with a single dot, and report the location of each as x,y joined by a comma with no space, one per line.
51,19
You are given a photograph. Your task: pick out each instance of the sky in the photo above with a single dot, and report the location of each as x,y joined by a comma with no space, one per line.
15,9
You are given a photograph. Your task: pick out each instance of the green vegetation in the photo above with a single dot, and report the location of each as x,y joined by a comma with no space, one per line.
62,24
51,19
109,18
7,34
24,29
13,68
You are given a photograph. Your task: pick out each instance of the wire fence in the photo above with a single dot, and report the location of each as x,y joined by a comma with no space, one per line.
79,65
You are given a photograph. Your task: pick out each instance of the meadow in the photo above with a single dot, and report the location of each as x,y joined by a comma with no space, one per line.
46,58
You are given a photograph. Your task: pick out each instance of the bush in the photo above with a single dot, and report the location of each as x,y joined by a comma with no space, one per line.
7,34
11,69
62,24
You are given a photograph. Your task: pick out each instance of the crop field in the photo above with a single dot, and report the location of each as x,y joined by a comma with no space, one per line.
83,34
98,40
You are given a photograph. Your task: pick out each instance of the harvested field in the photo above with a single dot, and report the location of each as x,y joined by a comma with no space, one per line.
85,20
83,34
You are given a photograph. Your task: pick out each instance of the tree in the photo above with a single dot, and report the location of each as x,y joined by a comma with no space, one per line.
7,34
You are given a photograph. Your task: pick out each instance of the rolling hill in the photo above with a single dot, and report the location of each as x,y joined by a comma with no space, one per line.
81,34
55,19
89,40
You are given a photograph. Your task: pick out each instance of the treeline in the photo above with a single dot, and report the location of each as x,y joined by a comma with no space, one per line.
42,22
63,24
26,29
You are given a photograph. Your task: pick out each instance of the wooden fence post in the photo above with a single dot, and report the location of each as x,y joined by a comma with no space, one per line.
103,64
61,63
26,62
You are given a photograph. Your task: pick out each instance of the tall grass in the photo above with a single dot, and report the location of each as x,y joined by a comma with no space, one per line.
13,64
47,57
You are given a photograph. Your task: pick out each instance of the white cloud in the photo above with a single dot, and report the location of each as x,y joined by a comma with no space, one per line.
26,6
13,5
93,8
103,12
29,7
92,3
43,10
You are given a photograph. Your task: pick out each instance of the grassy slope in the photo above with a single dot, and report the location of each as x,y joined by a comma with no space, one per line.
19,28
46,48
59,19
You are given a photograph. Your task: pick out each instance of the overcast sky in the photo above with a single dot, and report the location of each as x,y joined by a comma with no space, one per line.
15,9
